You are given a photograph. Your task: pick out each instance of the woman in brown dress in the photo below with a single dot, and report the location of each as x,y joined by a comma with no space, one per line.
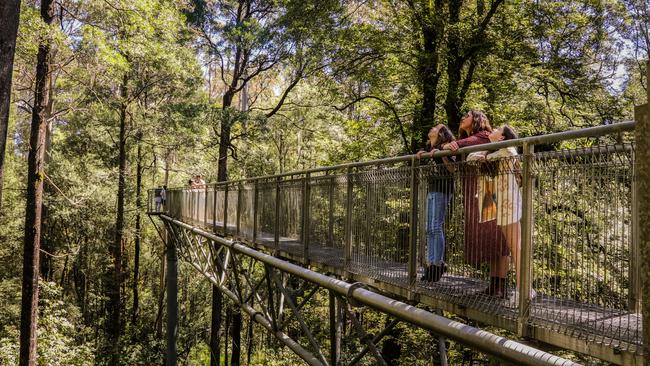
484,242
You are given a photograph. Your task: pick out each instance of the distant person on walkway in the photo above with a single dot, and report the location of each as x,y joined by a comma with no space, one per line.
484,242
163,197
199,182
157,198
440,188
191,183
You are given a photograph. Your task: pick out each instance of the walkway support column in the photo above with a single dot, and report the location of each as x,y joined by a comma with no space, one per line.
642,160
172,302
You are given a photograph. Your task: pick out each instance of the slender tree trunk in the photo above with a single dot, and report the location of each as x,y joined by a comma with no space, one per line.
136,260
114,284
216,324
47,242
455,65
217,301
158,323
249,348
9,16
236,337
35,177
227,332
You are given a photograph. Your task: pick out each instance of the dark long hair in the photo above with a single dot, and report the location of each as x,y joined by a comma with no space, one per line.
480,122
445,136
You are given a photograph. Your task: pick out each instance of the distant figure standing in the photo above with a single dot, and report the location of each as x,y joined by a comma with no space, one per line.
157,198
199,182
163,197
191,183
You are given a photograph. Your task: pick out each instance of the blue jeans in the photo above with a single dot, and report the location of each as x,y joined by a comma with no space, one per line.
437,203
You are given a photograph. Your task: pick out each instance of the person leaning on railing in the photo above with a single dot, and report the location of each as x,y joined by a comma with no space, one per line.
503,164
484,242
440,188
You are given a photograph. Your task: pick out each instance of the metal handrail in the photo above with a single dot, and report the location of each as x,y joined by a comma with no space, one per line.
613,128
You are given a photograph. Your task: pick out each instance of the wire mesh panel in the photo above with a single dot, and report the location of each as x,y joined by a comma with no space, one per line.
327,218
232,207
582,238
210,197
289,226
380,224
247,202
216,206
266,190
470,231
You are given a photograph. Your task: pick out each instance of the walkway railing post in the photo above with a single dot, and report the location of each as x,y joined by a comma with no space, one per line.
225,209
205,206
526,252
306,193
634,292
255,203
642,159
413,232
330,209
214,208
239,200
172,301
348,220
276,229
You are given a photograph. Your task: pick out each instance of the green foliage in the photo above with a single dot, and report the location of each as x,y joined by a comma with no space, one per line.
348,79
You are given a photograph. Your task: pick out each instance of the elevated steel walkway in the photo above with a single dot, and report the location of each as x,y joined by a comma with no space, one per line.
366,222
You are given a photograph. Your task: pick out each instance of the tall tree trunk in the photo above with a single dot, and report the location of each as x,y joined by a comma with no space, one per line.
236,337
429,73
216,324
455,63
249,348
35,176
9,16
114,284
136,260
217,301
47,243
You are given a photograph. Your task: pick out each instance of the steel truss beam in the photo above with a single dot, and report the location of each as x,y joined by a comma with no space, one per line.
261,285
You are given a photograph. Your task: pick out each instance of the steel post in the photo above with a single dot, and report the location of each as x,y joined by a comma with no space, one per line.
526,251
306,188
413,232
172,302
330,216
276,229
348,220
642,137
225,209
239,204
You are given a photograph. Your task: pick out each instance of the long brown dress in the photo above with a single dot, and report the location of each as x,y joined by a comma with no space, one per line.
484,242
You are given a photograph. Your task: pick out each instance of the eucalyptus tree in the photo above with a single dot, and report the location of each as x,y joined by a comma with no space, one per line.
248,40
134,57
9,15
34,204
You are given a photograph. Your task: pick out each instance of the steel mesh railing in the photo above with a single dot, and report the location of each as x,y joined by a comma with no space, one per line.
373,220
